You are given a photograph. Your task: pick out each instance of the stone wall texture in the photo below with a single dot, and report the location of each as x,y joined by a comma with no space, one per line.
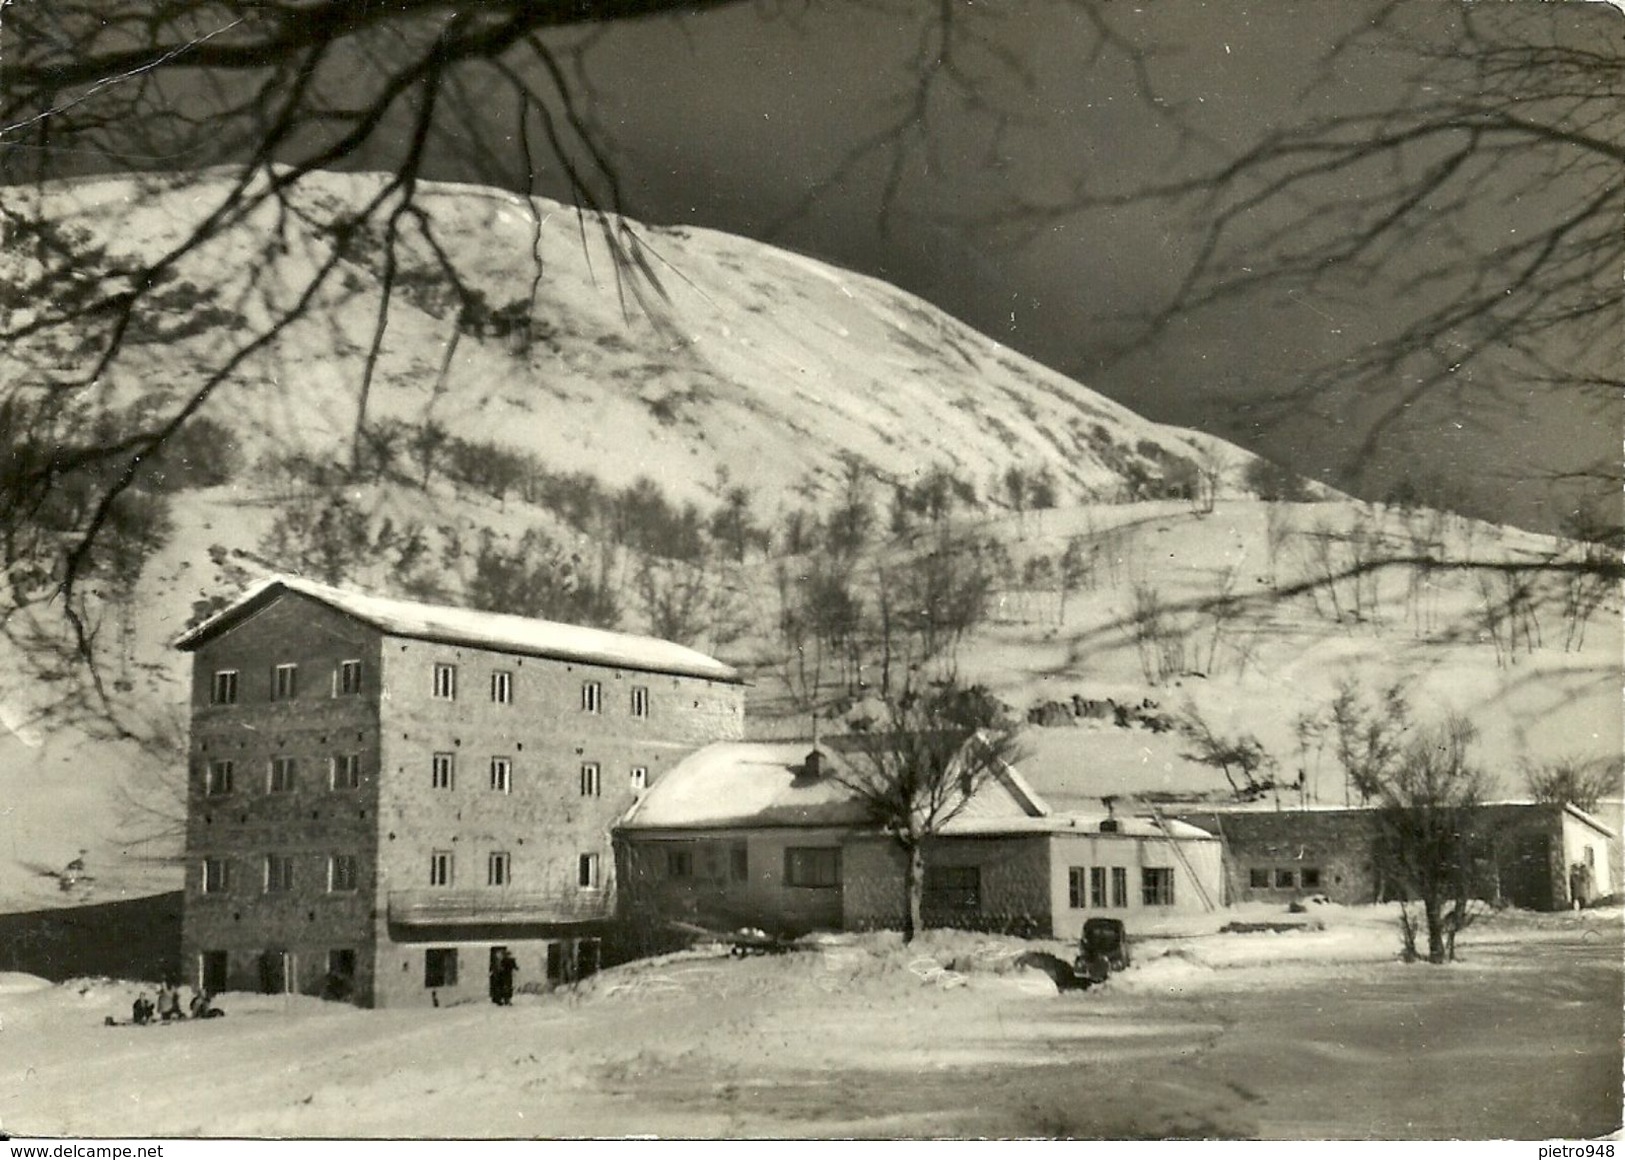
545,818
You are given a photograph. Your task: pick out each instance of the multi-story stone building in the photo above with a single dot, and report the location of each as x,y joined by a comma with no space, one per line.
384,795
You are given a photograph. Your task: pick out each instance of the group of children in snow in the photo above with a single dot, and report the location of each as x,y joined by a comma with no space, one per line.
168,1006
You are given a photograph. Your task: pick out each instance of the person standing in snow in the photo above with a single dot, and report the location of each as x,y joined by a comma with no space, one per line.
169,1002
502,973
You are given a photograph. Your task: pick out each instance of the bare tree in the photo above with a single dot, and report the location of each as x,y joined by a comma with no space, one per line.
917,768
1369,736
1580,782
1243,760
1428,820
1513,106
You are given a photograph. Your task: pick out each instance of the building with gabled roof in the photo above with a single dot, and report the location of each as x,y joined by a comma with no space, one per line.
384,794
766,835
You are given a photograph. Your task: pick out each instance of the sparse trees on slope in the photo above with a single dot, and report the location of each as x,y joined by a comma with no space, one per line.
917,767
538,578
1369,736
1246,765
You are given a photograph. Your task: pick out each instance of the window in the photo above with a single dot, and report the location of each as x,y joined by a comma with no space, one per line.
589,779
1119,886
680,862
1309,877
953,887
442,769
1157,886
347,771
283,770
640,700
217,778
587,872
349,679
341,963
1097,887
278,874
445,682
813,867
1074,887
502,687
284,682
640,778
224,689
592,697
216,875
496,870
440,967
342,872
502,774
739,862
1285,879
440,868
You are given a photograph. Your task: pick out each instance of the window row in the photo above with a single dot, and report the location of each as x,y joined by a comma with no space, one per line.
284,683
346,682
282,774
444,688
499,869
443,775
708,861
1284,877
1087,887
343,874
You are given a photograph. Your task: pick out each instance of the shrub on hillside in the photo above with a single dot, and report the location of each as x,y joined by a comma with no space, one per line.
1270,481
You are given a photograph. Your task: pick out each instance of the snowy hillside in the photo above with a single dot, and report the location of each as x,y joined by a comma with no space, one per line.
766,370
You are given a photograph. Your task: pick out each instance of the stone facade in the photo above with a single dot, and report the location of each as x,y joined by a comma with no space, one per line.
480,816
1525,854
259,934
727,879
1280,856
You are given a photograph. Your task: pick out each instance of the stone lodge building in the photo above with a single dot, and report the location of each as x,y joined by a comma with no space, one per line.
384,794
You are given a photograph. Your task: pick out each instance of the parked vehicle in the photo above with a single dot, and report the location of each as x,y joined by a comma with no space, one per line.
1102,949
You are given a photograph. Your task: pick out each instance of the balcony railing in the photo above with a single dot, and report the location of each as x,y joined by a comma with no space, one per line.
477,907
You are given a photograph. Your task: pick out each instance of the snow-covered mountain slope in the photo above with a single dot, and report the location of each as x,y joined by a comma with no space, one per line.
707,351
769,370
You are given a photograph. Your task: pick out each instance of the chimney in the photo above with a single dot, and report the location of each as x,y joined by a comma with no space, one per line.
812,768
1108,824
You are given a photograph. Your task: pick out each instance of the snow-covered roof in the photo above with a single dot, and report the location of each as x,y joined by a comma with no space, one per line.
492,630
746,784
1268,807
1084,824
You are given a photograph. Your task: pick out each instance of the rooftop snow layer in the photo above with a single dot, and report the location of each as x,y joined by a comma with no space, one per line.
1084,824
746,783
493,630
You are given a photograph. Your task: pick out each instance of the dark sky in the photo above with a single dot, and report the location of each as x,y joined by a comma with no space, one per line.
729,119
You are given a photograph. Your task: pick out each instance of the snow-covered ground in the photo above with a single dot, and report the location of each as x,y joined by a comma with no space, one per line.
1311,1033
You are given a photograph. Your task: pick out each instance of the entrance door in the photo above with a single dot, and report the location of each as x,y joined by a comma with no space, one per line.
212,969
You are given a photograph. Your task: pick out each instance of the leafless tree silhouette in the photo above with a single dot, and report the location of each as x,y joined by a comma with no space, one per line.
1482,188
